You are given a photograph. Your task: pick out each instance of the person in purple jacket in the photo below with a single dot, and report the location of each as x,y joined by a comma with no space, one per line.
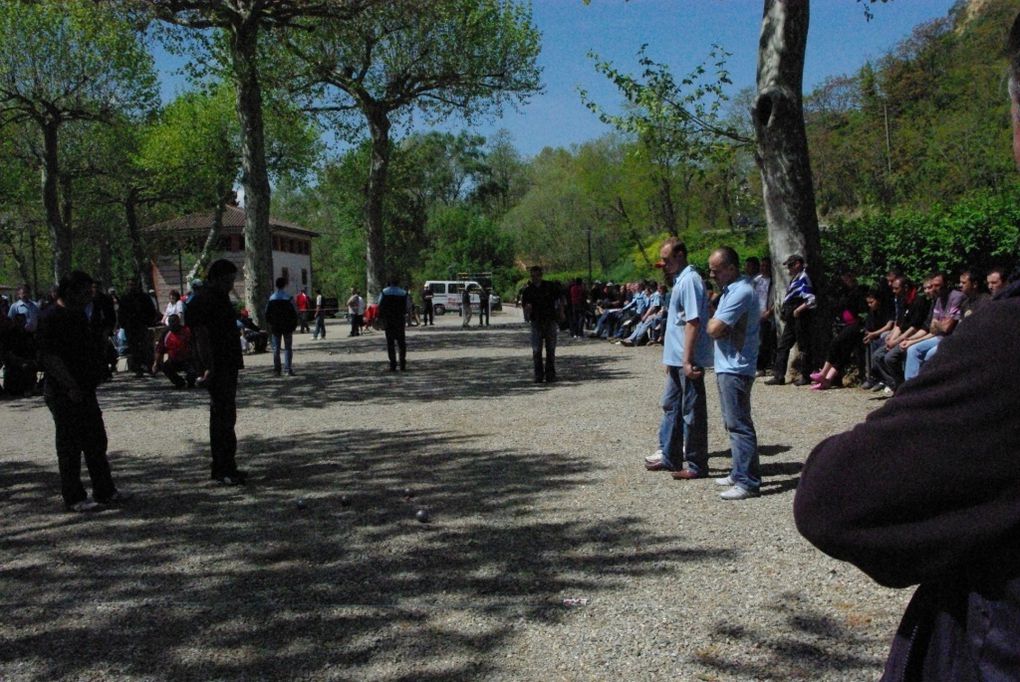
927,492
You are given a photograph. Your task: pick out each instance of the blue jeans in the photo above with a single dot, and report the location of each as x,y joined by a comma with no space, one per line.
918,354
683,431
735,401
288,350
640,330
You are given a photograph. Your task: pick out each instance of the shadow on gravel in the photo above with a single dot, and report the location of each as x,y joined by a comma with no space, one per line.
780,477
197,581
805,646
321,383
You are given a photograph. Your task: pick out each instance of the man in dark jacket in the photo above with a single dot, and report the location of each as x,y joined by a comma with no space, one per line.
927,491
544,310
136,314
392,312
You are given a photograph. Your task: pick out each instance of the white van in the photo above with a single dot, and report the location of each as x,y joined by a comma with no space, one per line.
446,295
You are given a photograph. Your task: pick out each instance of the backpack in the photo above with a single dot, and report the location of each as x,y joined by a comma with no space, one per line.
281,316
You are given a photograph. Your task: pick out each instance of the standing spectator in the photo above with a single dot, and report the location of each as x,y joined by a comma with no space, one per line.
797,312
543,309
735,330
74,366
392,313
18,357
686,350
175,344
136,314
578,305
174,307
763,291
282,318
355,311
214,329
483,306
320,316
302,301
465,306
101,313
24,305
428,316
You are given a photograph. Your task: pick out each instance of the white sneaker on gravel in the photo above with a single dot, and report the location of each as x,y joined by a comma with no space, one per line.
86,505
728,481
738,493
654,458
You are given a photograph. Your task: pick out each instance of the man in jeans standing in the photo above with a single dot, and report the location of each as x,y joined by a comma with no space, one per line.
544,310
281,315
735,330
686,349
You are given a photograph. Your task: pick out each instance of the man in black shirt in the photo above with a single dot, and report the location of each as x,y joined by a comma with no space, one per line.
544,310
428,316
74,365
213,324
392,309
137,312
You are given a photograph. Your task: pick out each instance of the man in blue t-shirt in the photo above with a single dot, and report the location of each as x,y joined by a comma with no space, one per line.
683,431
735,330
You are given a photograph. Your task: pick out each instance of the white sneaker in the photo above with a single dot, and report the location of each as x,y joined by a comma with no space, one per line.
86,505
887,392
654,458
728,481
738,493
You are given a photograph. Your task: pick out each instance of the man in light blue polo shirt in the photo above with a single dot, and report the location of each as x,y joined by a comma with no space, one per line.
683,432
735,330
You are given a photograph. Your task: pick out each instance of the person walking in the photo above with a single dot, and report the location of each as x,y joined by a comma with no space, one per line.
74,365
465,306
282,319
686,350
483,307
543,309
355,311
214,329
428,315
735,330
303,302
393,313
320,316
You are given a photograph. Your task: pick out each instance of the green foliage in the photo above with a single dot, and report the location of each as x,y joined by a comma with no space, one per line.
980,230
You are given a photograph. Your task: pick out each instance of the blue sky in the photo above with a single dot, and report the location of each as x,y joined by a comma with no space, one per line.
679,33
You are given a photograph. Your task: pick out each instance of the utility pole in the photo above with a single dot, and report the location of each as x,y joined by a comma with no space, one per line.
888,144
589,256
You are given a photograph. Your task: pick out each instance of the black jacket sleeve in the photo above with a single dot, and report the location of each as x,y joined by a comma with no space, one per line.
933,477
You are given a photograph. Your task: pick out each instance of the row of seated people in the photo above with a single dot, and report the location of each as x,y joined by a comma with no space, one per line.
891,331
633,314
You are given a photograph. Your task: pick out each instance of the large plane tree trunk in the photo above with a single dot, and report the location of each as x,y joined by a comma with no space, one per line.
781,149
258,255
375,251
60,231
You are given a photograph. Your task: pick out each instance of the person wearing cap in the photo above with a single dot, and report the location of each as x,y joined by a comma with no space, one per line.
797,311
213,325
686,350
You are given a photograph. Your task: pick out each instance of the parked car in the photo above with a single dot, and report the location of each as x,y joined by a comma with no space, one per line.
446,295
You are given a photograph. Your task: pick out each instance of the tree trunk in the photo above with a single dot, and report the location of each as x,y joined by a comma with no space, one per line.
258,255
782,151
375,253
104,268
7,232
60,235
211,239
140,264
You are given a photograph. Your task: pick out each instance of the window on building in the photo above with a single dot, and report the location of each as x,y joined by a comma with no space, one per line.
285,273
304,277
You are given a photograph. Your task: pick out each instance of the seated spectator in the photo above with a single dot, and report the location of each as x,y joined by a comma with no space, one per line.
651,314
253,338
175,344
945,315
913,310
174,307
974,298
18,355
849,309
877,325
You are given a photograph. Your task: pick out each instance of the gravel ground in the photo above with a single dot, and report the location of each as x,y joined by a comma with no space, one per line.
537,495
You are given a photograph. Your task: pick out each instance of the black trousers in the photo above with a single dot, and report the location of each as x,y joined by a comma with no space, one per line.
80,431
483,314
222,389
766,343
303,320
395,340
796,331
427,315
172,368
139,349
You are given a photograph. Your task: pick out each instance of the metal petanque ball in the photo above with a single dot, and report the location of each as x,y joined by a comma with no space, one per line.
422,515
408,492
345,501
300,503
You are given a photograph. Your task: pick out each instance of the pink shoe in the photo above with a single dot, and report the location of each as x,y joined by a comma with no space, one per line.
820,385
816,376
